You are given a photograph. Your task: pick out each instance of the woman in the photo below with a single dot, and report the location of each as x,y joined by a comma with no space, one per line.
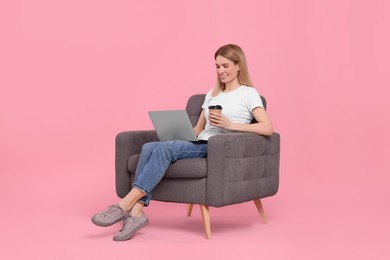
240,102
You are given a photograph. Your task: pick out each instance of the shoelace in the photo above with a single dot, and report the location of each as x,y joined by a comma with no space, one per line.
111,212
126,222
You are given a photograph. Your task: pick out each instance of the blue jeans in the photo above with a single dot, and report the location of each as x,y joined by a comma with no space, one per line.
155,159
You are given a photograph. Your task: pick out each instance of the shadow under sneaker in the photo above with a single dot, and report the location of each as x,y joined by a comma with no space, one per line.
109,217
130,226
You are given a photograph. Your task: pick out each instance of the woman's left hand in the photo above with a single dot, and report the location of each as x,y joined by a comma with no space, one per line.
220,121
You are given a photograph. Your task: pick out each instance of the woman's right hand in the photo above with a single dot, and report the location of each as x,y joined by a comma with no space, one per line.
197,130
201,123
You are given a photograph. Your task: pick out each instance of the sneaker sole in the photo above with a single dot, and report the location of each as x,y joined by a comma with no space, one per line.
133,232
102,224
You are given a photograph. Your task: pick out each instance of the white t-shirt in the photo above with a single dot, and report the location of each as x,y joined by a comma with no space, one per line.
237,106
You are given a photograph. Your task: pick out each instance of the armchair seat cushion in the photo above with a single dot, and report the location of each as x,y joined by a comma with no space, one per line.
192,168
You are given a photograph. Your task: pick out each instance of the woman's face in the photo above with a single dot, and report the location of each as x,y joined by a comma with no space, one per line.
226,69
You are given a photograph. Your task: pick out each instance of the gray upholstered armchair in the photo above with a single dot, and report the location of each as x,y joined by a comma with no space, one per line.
239,167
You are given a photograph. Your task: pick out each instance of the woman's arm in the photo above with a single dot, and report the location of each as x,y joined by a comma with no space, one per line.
262,127
201,123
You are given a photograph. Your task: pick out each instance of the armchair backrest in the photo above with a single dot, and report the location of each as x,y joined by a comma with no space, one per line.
194,107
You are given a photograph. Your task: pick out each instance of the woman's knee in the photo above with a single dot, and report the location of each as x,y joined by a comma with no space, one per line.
148,147
164,147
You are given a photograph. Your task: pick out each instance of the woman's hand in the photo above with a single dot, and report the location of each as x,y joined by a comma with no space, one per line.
219,120
201,124
197,130
262,127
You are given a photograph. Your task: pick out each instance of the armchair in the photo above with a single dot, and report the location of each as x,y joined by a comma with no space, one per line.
239,167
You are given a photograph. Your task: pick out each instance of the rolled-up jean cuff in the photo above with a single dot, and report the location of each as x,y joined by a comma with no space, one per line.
140,188
144,201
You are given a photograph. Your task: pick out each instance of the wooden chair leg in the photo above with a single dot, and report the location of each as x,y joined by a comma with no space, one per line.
189,209
206,220
259,207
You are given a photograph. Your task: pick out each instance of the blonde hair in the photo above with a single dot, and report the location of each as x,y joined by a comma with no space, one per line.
234,53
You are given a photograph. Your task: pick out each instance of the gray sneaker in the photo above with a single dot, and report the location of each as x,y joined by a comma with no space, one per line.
109,217
130,226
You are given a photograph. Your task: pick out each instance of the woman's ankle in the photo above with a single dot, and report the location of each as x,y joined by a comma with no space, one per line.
123,206
137,210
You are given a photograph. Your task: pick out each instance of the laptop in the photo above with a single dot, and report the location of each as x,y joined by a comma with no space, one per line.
173,125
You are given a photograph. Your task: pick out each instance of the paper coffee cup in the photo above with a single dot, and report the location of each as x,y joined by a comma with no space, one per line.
215,109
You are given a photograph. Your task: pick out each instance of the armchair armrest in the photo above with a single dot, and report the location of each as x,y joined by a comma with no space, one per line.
127,144
241,167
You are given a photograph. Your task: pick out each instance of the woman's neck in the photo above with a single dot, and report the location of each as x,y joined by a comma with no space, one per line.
230,86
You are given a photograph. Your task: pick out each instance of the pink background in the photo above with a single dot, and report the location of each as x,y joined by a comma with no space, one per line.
74,73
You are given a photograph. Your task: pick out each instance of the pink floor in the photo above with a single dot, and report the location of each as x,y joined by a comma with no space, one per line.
306,220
